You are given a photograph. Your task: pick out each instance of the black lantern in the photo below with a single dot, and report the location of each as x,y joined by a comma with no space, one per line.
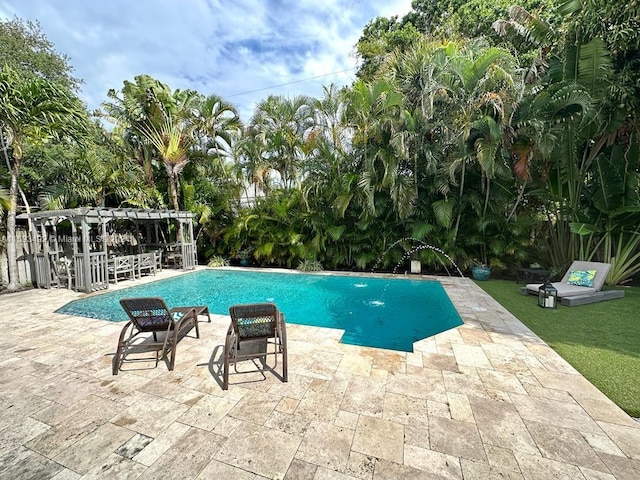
547,296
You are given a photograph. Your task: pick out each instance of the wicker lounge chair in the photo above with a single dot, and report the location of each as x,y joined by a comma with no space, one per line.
256,322
151,315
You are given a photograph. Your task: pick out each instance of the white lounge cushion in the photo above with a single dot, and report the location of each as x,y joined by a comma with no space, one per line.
564,289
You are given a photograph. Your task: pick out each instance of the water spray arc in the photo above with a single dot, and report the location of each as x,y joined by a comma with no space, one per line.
421,246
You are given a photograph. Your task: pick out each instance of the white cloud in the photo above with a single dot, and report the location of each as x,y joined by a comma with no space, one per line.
213,46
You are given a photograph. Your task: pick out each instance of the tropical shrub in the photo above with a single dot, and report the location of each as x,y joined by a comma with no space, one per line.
310,266
218,261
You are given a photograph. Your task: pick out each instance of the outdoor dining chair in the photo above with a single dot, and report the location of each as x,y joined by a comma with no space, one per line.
150,315
256,323
63,272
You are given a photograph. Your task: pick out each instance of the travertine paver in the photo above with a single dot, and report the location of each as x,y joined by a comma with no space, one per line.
94,447
486,400
315,449
456,438
263,450
379,438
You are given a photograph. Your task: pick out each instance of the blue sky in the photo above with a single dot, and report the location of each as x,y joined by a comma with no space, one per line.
213,46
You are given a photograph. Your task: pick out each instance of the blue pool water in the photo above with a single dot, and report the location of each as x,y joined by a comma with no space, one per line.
376,312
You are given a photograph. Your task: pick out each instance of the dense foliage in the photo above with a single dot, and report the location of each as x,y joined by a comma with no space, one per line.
517,147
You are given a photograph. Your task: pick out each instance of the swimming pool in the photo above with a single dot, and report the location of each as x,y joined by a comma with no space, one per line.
377,312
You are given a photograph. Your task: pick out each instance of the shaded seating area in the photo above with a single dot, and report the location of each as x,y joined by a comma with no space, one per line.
257,331
108,245
582,283
150,315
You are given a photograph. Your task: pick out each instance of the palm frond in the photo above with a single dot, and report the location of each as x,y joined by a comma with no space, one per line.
443,211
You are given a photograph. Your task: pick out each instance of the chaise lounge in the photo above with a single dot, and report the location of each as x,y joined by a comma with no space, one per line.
582,283
151,315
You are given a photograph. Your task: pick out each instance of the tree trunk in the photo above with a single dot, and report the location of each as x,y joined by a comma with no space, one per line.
12,253
174,192
455,231
174,199
147,167
518,200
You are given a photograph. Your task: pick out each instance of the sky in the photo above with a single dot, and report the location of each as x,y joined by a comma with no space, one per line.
242,50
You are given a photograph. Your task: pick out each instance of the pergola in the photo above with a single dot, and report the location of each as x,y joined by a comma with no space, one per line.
92,265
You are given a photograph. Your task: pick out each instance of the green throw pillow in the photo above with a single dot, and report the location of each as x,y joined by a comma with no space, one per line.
582,278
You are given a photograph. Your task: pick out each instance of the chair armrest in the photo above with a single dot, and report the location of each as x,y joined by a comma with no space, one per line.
281,325
228,341
184,316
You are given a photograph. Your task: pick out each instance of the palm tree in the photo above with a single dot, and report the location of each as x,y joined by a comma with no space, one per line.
372,113
140,103
31,109
329,117
92,176
458,97
172,140
157,120
282,126
216,124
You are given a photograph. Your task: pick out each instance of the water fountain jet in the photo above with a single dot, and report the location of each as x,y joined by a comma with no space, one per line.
408,253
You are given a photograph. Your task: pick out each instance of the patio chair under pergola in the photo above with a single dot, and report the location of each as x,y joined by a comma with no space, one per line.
91,264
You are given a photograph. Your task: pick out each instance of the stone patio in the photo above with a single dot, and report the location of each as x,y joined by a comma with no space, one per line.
486,400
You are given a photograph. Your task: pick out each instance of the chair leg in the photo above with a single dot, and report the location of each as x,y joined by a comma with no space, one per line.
225,374
172,347
285,366
117,360
229,343
195,321
225,370
283,349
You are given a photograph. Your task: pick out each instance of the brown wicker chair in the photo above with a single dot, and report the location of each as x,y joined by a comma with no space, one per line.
151,315
250,323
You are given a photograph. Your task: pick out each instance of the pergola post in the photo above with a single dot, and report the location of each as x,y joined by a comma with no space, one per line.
33,242
147,227
74,238
105,249
46,270
193,243
56,245
86,259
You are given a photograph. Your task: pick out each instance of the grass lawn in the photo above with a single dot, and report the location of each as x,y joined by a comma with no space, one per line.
601,340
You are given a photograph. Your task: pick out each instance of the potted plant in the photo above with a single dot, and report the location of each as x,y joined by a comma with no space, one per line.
244,255
480,271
